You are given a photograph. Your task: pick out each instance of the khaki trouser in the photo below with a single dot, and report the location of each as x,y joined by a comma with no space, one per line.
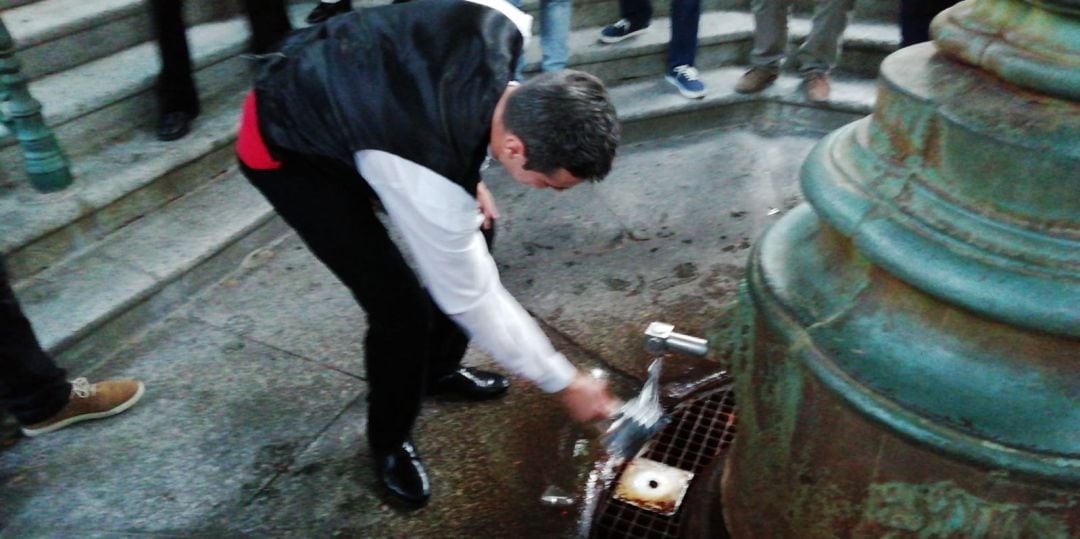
820,50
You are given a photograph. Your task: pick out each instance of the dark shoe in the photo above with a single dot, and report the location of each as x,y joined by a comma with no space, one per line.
620,30
471,384
755,80
173,125
816,86
325,10
402,473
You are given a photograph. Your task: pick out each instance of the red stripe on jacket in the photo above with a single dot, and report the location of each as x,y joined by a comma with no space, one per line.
250,147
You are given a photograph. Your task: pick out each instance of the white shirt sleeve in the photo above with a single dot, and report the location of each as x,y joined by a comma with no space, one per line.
520,19
440,222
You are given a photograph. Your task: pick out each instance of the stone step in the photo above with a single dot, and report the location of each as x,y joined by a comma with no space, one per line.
124,282
9,4
724,38
92,104
113,187
589,13
729,33
120,170
148,223
884,11
89,304
103,114
112,95
109,191
652,109
55,35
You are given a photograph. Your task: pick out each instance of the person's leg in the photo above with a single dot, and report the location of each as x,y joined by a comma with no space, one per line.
821,50
770,33
269,23
32,387
519,69
329,206
819,53
685,15
555,33
912,27
35,390
178,100
448,340
326,9
638,12
770,44
635,18
915,18
447,345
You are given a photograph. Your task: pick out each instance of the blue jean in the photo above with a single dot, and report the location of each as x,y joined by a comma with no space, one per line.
685,15
554,35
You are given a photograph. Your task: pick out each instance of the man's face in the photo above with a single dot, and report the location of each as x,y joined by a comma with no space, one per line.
560,180
511,155
510,152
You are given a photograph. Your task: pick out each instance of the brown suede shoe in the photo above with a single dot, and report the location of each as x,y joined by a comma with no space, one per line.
755,80
816,86
91,401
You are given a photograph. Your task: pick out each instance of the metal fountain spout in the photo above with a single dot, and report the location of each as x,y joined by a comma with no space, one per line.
661,337
642,416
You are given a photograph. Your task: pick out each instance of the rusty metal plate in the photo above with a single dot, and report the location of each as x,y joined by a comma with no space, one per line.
653,486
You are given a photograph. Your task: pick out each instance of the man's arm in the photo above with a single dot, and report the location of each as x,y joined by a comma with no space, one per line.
440,221
487,205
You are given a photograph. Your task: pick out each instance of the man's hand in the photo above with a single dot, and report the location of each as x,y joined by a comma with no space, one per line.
587,399
487,205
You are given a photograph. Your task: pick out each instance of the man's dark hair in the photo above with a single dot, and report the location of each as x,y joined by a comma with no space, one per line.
565,120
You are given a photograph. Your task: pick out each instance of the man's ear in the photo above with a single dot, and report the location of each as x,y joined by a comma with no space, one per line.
513,147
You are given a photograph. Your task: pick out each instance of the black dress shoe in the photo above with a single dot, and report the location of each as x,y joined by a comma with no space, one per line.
325,10
470,383
402,473
173,125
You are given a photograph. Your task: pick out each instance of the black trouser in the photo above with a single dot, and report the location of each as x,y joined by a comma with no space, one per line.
32,387
175,86
409,340
915,17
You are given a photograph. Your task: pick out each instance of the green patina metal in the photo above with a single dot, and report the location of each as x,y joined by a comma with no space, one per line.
965,189
21,114
915,365
902,357
944,510
1034,43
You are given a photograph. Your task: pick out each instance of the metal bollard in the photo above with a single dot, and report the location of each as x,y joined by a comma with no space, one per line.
21,113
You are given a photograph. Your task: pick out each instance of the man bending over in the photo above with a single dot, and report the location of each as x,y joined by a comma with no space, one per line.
405,104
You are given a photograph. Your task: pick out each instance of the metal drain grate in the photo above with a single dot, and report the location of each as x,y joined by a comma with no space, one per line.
702,428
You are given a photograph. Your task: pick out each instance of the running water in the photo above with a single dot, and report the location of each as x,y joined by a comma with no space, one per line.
636,420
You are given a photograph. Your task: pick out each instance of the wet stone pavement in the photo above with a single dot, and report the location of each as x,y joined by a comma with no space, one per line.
254,415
